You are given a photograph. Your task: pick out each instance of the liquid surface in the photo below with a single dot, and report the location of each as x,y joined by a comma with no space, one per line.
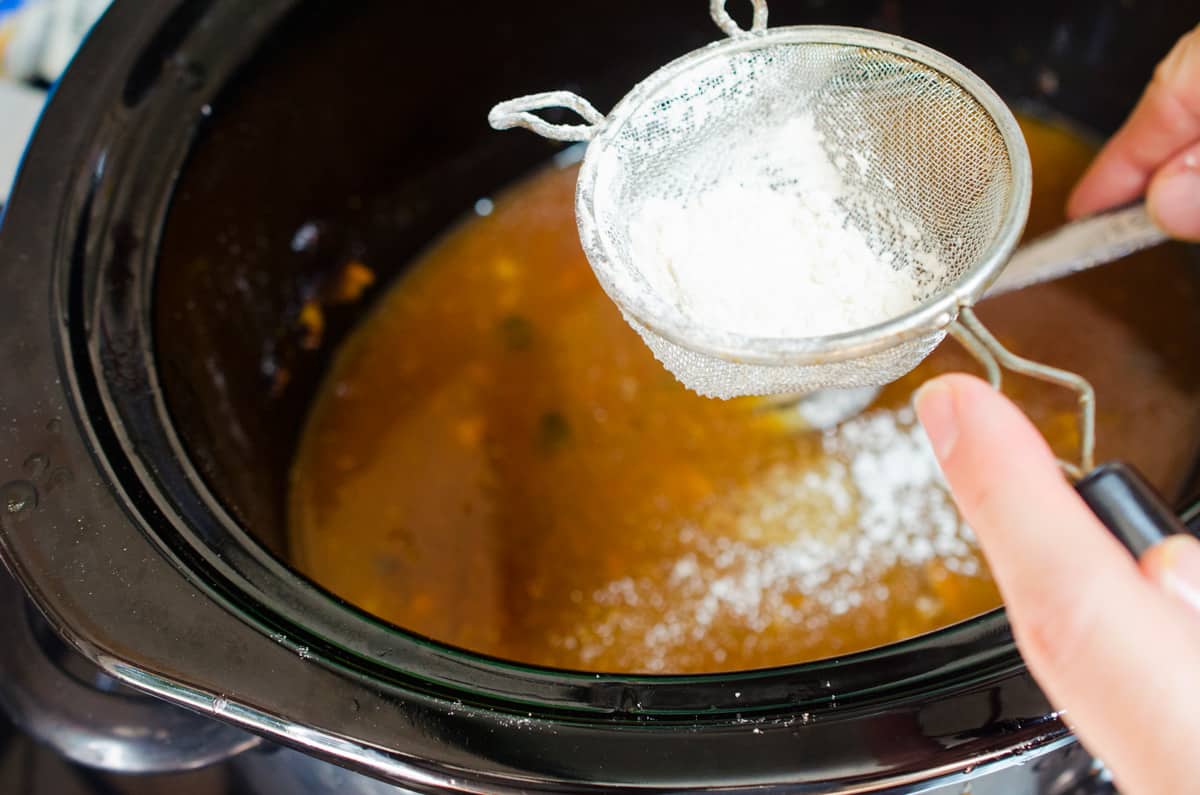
497,462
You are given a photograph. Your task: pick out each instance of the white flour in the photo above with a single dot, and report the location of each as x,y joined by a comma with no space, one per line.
772,253
808,544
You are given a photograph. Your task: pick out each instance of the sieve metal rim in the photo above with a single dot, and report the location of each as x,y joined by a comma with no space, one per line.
931,317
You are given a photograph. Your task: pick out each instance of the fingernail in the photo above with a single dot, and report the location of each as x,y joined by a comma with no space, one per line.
1174,199
1176,567
934,402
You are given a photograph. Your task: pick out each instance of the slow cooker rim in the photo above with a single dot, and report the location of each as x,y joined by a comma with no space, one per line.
71,337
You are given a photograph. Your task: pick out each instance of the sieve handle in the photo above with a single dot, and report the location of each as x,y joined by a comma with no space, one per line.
520,112
731,28
1079,245
1129,507
970,332
1119,497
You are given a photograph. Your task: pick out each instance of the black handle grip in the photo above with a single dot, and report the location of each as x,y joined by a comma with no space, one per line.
1129,506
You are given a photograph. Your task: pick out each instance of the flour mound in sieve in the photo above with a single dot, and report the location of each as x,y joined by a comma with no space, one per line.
769,248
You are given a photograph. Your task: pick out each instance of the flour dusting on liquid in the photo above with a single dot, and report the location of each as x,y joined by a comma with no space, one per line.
810,544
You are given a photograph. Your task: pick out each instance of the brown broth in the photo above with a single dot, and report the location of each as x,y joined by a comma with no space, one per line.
497,462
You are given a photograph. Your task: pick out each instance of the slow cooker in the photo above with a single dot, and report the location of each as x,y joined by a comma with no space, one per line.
151,276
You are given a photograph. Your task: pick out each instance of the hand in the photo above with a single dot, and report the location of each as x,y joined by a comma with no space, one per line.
1113,643
1157,152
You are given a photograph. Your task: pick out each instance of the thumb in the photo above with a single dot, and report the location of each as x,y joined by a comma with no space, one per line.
1174,196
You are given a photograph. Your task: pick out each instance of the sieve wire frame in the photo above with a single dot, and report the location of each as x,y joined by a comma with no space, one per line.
929,319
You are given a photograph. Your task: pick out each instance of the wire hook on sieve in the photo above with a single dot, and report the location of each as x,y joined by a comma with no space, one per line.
519,112
522,111
731,28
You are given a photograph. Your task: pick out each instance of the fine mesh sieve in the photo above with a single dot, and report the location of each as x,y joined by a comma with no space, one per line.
936,177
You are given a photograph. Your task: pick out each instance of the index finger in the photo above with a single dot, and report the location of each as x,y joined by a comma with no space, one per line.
1165,121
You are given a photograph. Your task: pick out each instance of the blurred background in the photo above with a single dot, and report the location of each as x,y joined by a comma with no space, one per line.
37,40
